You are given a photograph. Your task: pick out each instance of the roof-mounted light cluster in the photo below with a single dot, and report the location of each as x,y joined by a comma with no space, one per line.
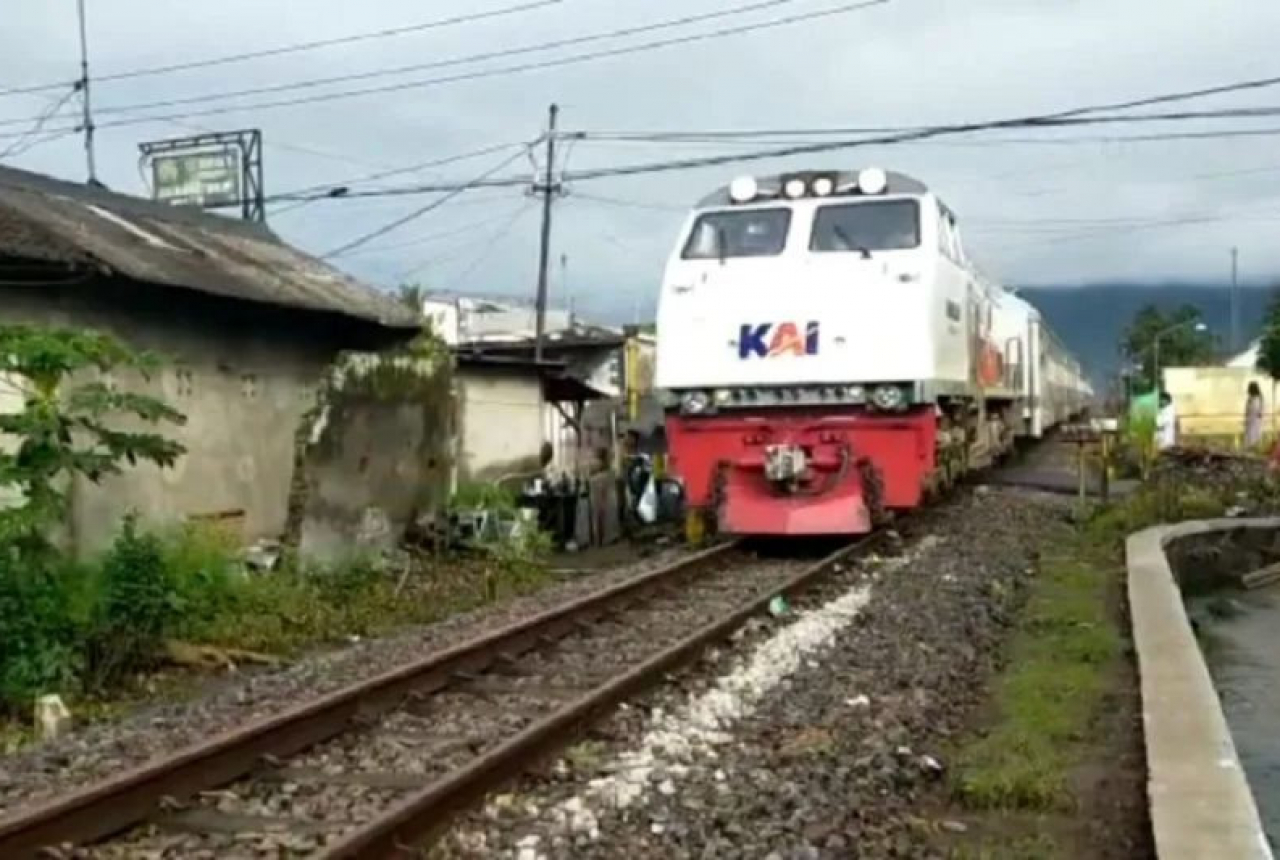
870,181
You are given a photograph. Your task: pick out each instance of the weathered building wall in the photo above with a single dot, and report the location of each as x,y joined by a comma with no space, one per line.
1210,400
374,454
500,424
244,375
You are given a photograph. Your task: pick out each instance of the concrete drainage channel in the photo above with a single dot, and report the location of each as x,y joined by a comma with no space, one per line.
1202,805
384,764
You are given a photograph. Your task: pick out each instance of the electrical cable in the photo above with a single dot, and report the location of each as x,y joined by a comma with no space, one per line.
297,47
419,212
467,59
485,253
27,140
489,73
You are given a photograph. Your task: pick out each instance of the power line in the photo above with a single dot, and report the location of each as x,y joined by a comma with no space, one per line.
1074,116
340,185
300,46
490,242
468,59
446,234
417,213
499,71
720,135
28,139
627,204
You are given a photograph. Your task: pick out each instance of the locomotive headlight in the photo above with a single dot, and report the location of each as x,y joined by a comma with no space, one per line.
794,188
743,189
723,395
694,402
888,397
856,393
872,181
823,186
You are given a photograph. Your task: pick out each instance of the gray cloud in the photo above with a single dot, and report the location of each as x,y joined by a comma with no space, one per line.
910,62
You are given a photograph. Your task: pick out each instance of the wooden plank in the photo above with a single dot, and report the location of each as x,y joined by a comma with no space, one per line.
1262,577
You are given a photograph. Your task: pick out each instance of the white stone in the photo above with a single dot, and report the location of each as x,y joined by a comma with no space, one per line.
52,718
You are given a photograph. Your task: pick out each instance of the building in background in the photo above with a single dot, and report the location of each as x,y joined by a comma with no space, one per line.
250,329
460,320
1211,400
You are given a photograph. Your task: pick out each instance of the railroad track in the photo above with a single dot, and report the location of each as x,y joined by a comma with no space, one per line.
374,769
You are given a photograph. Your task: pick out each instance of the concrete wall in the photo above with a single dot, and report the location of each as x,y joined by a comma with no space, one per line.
1201,803
1210,400
244,375
500,421
377,454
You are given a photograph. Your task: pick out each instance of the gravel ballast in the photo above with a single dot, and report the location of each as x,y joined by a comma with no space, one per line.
105,749
817,734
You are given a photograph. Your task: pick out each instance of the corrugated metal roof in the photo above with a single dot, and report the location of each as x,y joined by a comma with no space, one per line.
50,220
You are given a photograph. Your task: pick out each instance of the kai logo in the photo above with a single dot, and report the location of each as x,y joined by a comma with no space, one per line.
768,340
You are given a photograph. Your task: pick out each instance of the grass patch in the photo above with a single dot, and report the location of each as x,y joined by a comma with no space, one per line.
101,634
1061,661
1039,847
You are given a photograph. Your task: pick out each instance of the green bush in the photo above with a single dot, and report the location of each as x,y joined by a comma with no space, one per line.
41,638
205,575
138,605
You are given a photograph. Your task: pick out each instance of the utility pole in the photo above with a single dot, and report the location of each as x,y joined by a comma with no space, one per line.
564,285
548,189
84,95
1235,299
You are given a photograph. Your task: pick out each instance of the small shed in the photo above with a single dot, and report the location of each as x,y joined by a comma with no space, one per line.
250,328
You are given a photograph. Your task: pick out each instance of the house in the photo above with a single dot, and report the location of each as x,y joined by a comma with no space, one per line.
467,319
281,435
1210,400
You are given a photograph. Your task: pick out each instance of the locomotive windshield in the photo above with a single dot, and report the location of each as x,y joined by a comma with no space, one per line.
885,225
745,233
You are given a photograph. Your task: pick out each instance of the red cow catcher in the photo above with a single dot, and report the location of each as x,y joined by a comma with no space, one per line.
801,472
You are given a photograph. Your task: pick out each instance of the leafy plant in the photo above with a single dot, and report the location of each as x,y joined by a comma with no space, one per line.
1269,344
1179,342
64,432
491,497
138,605
40,635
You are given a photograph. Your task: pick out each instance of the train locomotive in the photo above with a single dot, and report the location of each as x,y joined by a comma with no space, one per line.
829,354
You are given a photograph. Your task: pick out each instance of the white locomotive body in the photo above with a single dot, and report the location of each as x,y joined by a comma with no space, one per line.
825,312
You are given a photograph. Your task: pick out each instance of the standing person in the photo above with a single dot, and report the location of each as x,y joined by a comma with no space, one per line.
1253,417
1166,423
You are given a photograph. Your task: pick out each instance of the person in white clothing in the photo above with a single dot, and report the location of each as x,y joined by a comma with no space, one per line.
1166,423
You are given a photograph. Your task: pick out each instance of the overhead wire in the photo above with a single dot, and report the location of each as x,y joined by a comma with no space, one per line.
434,237
486,251
422,210
28,140
466,59
297,47
500,71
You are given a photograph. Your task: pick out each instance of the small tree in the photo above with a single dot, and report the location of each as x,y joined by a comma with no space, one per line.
62,431
1269,343
1180,343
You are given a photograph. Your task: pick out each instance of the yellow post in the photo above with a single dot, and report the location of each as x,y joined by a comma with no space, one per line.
694,527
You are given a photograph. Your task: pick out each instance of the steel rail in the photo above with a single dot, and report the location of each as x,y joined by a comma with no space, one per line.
402,831
111,805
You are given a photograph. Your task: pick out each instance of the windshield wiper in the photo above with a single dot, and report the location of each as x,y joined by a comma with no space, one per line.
722,239
844,237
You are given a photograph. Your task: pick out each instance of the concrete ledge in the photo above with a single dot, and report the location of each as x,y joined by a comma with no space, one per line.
1201,803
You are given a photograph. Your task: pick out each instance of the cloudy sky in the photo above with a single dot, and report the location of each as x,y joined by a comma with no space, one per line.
1038,207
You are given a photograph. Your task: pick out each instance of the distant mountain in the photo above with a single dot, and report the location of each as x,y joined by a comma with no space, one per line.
1091,318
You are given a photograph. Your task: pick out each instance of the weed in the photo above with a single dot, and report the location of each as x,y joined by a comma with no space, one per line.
1062,655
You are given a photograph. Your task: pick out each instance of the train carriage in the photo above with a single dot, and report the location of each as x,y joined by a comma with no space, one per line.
830,353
